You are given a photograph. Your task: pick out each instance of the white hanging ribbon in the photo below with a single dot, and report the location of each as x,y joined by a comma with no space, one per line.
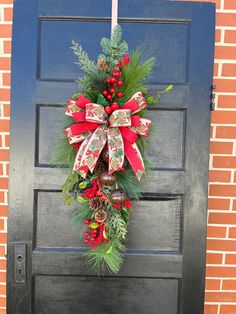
114,13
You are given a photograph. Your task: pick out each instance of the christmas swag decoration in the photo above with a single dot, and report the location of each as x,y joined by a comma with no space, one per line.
105,146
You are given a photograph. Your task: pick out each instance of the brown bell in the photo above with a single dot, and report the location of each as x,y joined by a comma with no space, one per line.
105,155
118,197
107,179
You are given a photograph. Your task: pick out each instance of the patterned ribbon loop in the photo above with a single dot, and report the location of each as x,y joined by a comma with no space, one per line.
120,131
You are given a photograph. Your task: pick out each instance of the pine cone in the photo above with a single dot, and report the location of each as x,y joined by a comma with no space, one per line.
101,216
102,64
100,167
95,203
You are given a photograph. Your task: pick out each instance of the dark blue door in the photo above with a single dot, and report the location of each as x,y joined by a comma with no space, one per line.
164,267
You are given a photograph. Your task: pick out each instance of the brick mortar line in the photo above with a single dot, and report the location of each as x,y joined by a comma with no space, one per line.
221,303
223,291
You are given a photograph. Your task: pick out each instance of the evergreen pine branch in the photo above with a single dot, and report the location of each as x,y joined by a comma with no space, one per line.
64,153
69,190
129,184
101,100
83,212
136,73
106,257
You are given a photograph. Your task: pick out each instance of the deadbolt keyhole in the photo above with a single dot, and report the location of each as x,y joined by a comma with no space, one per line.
19,258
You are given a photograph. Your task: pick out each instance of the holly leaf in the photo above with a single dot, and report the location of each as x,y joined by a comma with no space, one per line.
93,225
104,233
156,100
83,185
150,99
169,88
69,200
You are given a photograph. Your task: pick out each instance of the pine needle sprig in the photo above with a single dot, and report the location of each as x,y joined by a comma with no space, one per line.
106,257
83,212
137,72
128,182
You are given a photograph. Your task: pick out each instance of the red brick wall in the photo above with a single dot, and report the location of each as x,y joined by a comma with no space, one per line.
5,62
221,241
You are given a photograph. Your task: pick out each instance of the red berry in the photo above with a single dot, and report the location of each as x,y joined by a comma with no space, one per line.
87,221
86,241
105,92
122,169
117,74
112,90
108,110
128,204
113,79
114,106
86,234
90,195
114,73
92,239
108,80
103,197
120,94
119,64
126,59
98,193
120,83
109,97
94,231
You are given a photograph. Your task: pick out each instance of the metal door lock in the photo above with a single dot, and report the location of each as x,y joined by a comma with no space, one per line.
19,262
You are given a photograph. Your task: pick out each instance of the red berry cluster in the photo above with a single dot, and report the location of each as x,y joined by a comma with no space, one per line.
113,83
89,193
95,190
90,235
127,204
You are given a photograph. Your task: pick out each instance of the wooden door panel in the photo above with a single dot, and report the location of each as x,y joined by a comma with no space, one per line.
166,140
51,291
158,40
164,265
155,224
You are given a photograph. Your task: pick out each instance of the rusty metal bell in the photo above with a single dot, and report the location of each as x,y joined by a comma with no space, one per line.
118,197
107,179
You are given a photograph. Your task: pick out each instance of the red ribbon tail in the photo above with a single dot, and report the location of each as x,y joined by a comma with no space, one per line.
135,159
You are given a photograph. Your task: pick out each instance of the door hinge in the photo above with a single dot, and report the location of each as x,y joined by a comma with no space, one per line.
20,255
213,95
